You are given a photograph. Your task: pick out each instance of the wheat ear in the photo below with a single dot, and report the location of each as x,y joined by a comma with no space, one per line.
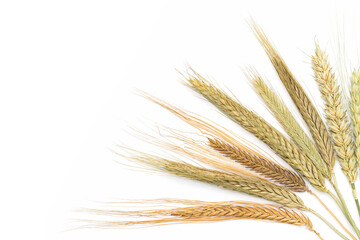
204,212
302,101
337,118
260,128
248,185
287,120
259,164
355,111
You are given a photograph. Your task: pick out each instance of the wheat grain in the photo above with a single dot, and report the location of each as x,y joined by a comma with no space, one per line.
336,114
302,101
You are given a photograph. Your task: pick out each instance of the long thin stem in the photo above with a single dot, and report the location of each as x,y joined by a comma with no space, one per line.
342,203
318,234
328,223
345,212
338,203
355,197
332,214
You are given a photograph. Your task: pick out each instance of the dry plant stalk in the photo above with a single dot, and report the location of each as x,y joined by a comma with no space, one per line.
205,212
288,122
335,114
302,101
260,164
355,111
248,185
260,128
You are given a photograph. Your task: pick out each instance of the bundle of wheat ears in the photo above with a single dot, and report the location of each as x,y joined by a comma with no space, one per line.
229,161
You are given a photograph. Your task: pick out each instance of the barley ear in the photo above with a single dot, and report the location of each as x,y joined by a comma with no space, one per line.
336,115
260,164
288,122
309,113
198,211
235,182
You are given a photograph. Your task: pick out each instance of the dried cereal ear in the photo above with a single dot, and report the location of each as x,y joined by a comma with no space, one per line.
200,211
309,113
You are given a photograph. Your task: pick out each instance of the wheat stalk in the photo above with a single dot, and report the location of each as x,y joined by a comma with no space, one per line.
355,112
336,116
260,128
205,212
302,101
289,123
261,165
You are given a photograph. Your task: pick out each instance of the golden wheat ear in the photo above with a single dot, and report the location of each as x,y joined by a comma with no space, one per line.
261,165
198,211
309,113
235,182
288,122
256,125
336,114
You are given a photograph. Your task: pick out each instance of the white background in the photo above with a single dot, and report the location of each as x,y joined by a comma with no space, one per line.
68,70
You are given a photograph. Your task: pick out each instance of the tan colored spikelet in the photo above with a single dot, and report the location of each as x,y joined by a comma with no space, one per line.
261,165
255,160
260,128
355,111
335,114
204,212
302,101
248,185
212,212
289,123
